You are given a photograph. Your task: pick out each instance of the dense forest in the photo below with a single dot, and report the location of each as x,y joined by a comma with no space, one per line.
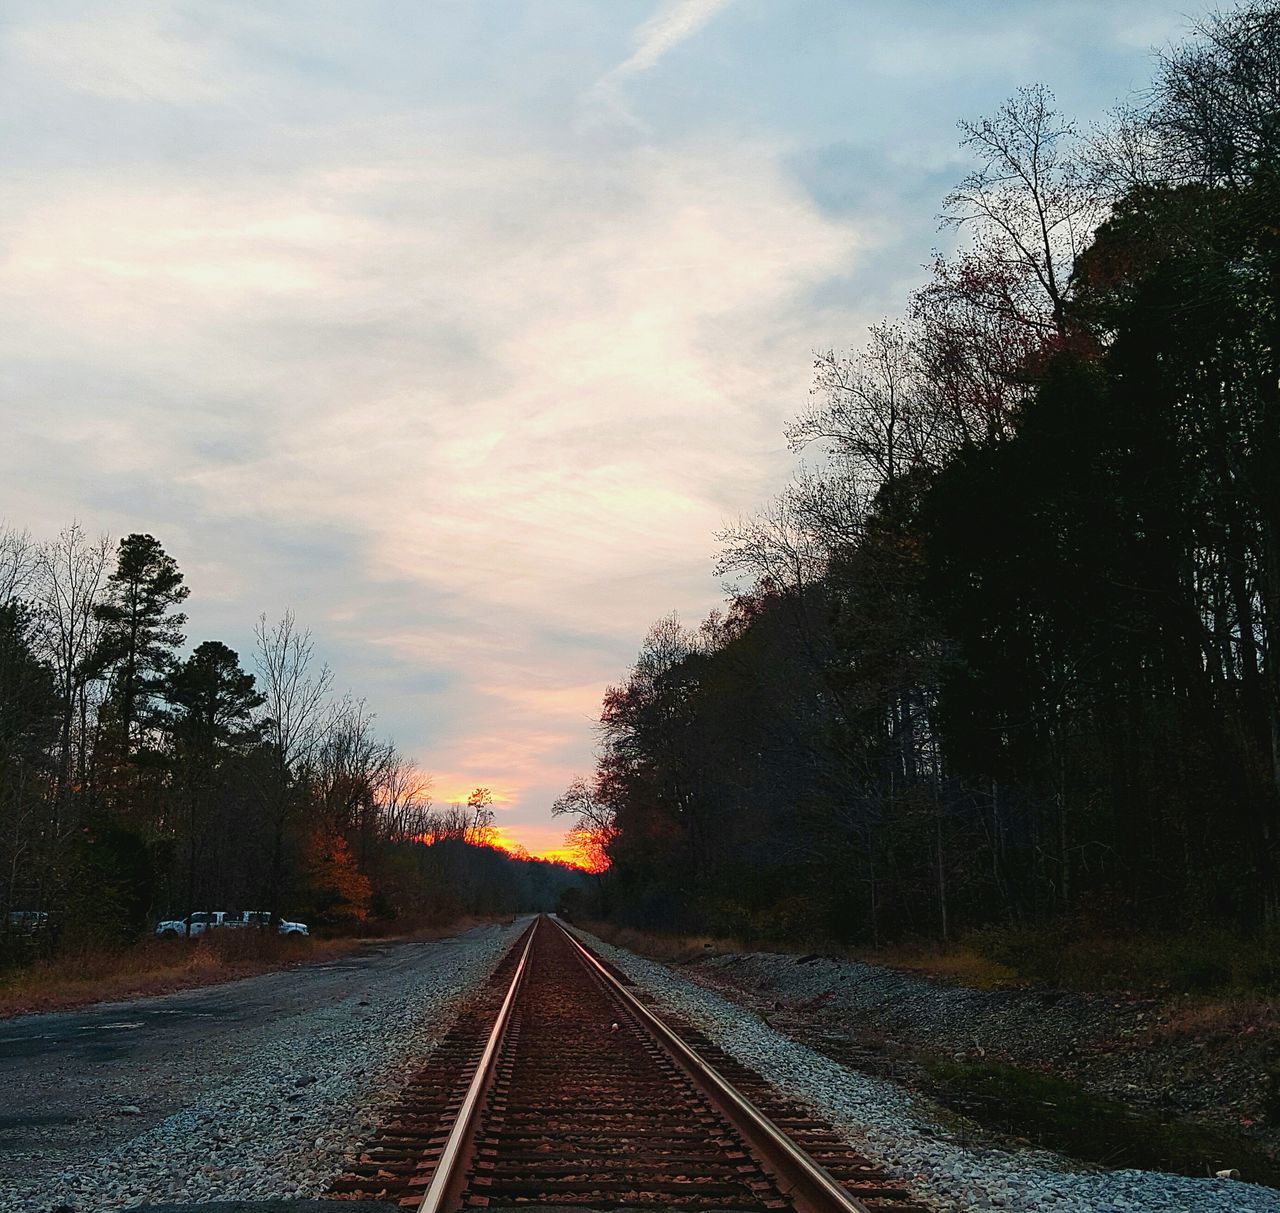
1007,650
137,782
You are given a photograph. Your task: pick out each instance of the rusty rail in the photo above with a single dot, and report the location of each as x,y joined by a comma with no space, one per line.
810,1186
557,1086
447,1180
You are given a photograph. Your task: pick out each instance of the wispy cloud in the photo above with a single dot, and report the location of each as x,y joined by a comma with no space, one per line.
346,311
133,53
525,418
672,23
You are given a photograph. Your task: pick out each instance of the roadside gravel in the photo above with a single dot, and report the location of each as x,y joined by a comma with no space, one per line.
902,1132
281,1120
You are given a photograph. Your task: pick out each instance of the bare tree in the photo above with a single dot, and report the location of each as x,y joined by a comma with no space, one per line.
1031,205
1211,115
594,824
19,563
866,411
403,800
352,765
776,546
295,692
70,576
294,689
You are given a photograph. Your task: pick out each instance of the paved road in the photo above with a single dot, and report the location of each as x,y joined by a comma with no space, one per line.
65,1077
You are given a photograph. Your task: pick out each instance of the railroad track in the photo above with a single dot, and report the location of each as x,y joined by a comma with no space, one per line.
559,1087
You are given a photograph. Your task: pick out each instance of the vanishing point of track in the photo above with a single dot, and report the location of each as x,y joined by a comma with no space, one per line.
557,1087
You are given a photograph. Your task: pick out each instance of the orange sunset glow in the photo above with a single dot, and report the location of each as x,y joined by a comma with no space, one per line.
538,841
505,841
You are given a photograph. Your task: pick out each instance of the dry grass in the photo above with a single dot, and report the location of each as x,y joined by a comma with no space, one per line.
959,966
100,973
955,965
1208,975
669,949
1205,962
154,966
1224,1018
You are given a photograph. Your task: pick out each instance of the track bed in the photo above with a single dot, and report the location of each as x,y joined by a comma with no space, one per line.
558,1088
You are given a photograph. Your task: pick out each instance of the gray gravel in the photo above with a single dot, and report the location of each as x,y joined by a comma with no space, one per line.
902,1132
279,1122
1110,1044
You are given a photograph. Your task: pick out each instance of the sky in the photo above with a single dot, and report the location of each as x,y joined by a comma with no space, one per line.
460,327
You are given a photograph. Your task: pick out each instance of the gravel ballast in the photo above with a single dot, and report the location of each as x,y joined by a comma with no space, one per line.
1117,1046
901,1131
278,1121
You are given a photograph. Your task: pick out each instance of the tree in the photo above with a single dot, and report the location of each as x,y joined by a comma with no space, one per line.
982,325
19,562
343,891
869,418
141,632
1210,116
295,692
30,720
404,800
594,824
69,576
1031,207
1209,134
211,702
352,765
481,830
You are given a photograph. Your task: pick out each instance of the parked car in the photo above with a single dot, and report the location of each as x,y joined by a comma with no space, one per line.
262,919
28,924
199,922
195,924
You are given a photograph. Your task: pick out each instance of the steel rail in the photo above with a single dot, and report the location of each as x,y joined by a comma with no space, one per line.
446,1181
811,1186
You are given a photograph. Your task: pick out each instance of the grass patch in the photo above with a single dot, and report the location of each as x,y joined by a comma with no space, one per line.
668,949
1060,1115
106,973
957,965
1202,964
1195,962
102,972
964,966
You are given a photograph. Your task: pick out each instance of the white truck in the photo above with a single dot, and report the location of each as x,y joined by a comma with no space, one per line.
197,923
262,919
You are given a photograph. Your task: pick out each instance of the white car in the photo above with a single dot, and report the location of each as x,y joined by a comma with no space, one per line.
206,920
195,924
262,918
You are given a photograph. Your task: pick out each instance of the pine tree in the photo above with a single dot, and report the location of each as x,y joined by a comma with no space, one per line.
141,632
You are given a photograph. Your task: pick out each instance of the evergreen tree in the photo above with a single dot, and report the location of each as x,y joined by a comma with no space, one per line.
141,631
209,722
30,713
212,701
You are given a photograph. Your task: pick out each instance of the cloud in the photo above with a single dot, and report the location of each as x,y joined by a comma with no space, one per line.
134,54
672,23
351,315
472,404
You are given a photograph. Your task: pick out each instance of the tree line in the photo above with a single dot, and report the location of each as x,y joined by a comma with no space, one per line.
1007,649
136,781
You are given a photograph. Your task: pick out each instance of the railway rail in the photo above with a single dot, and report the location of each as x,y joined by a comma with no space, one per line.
558,1087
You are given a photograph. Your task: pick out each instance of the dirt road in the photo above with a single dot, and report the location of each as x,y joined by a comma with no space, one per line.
77,1087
